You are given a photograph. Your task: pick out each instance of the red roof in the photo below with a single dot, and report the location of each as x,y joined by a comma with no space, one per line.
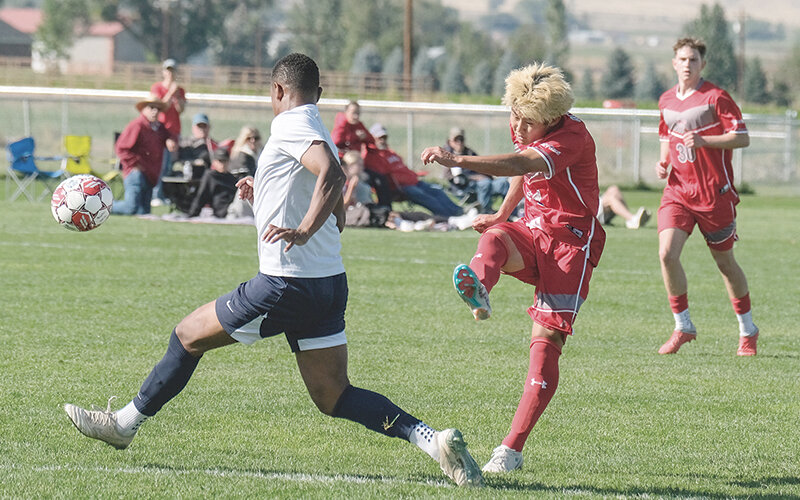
24,20
108,29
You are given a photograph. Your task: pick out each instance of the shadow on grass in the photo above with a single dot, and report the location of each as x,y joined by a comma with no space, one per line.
492,482
638,491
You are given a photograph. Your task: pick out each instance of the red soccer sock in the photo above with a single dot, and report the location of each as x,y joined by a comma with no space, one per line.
678,303
742,304
489,259
539,388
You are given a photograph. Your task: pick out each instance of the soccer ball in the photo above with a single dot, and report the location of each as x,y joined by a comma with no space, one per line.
81,202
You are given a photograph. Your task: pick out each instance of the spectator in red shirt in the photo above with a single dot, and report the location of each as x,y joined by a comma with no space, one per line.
140,149
174,97
349,134
405,180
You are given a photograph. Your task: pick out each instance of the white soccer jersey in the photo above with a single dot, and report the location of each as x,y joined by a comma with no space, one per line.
282,194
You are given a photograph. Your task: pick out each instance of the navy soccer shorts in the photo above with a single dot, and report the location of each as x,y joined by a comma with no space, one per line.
310,311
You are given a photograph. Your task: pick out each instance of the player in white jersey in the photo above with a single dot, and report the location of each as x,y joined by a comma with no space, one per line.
300,290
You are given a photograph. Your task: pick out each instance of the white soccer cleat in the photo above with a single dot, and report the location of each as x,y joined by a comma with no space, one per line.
639,219
472,291
99,424
455,460
504,459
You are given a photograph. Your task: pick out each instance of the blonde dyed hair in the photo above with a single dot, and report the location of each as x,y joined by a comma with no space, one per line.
538,93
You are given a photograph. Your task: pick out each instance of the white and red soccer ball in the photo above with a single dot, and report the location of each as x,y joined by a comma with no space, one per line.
82,202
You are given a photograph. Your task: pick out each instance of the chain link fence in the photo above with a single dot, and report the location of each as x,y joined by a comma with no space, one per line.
627,139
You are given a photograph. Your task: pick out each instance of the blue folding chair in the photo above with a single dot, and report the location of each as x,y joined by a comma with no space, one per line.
23,171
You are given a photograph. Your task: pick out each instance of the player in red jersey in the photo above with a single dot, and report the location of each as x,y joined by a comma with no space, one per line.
554,247
700,125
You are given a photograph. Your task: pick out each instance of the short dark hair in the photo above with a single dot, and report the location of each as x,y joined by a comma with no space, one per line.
691,42
297,72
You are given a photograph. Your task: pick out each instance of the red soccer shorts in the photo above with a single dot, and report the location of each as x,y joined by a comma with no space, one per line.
717,225
559,271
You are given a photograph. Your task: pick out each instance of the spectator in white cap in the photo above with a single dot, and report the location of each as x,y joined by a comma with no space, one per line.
174,97
404,180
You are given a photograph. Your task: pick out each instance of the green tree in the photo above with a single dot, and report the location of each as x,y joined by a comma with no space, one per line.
244,36
61,19
651,85
316,31
393,65
507,63
712,27
480,80
453,79
527,45
755,82
585,88
618,78
471,46
424,67
558,43
366,60
788,75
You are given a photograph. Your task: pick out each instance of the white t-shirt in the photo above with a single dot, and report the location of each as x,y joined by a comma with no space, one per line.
282,194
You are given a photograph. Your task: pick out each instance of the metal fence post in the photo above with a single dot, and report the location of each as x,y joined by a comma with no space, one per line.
637,150
26,116
788,144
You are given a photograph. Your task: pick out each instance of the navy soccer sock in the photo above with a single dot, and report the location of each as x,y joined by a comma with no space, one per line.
167,378
375,412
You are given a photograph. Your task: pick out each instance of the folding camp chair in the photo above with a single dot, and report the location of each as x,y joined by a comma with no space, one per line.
76,154
23,171
76,161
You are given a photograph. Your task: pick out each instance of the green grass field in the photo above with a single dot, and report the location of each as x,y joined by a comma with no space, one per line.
85,317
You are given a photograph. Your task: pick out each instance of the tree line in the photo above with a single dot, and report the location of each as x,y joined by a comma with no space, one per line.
367,37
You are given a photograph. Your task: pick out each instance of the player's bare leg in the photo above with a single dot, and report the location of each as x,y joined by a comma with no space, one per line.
739,295
196,334
670,245
540,386
496,251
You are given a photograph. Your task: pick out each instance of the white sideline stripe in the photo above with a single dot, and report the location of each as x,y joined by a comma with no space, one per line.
271,476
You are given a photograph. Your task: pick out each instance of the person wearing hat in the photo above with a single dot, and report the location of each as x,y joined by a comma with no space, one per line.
140,149
465,181
174,97
217,187
387,162
198,149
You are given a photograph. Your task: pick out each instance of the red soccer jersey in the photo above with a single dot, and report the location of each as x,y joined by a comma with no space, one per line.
699,177
563,202
170,117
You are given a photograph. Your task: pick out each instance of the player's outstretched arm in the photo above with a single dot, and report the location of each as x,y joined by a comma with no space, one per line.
505,165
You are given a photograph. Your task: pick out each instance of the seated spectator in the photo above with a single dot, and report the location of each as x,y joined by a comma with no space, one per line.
244,159
405,180
612,203
357,195
197,150
349,134
245,151
217,187
140,147
485,187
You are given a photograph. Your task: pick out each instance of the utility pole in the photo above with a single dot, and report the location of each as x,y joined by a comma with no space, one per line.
408,48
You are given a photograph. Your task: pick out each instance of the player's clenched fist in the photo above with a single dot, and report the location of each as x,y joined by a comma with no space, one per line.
661,169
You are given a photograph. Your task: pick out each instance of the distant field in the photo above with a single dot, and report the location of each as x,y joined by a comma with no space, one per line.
85,317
